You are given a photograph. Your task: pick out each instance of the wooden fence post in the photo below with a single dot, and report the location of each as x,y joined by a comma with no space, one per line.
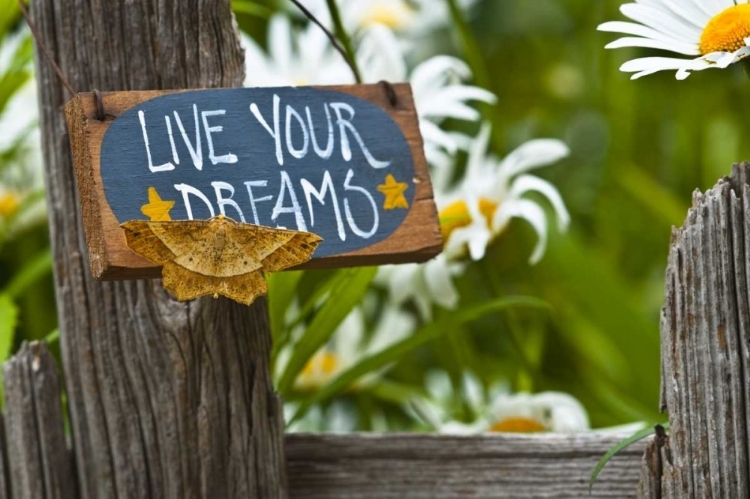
705,349
166,399
39,464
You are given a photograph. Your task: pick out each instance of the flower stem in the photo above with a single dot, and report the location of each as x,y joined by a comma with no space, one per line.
470,45
343,37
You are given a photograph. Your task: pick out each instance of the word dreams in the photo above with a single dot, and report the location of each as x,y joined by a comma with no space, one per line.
289,133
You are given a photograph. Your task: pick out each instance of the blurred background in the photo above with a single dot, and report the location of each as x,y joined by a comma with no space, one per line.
569,343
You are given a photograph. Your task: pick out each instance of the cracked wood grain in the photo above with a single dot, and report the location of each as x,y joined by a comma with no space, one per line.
705,332
166,399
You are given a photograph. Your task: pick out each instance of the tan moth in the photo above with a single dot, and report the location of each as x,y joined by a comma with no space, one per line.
218,256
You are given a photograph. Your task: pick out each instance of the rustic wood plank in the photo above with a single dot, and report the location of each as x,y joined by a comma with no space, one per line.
166,399
705,335
39,464
440,466
4,479
417,240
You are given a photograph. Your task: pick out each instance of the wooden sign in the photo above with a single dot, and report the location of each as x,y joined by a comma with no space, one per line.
345,163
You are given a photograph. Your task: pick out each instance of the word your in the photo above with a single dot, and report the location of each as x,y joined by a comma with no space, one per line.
294,135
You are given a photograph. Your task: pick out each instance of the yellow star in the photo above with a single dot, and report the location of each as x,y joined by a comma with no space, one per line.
394,193
157,209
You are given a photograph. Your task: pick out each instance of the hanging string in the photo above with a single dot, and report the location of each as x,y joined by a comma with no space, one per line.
331,37
44,48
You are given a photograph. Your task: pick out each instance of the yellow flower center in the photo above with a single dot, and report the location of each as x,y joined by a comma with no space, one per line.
457,215
727,31
321,363
518,425
388,14
9,203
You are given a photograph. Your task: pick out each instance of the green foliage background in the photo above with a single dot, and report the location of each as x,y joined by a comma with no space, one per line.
639,150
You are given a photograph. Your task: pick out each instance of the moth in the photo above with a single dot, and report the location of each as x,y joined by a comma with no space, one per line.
218,256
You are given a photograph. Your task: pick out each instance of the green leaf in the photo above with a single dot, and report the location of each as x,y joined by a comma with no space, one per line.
8,321
9,12
35,268
397,351
652,195
18,73
282,287
347,292
636,437
251,8
52,337
309,300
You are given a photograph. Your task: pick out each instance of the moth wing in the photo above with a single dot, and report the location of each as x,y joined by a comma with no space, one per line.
244,288
206,247
141,239
181,236
187,285
297,250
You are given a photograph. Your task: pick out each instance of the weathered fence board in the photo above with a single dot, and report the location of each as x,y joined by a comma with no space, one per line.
705,334
4,480
166,399
440,466
39,464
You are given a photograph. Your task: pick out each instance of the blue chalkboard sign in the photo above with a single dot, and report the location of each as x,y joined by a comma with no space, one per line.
307,159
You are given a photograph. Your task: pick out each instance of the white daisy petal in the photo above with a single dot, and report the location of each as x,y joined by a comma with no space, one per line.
686,27
534,154
527,183
532,213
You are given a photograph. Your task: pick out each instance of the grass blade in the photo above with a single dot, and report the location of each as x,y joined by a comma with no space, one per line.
345,295
395,352
35,268
637,436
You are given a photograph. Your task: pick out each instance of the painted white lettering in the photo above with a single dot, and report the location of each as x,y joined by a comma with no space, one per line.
325,187
296,209
253,200
297,153
328,151
175,156
227,158
160,168
186,191
195,151
222,201
350,216
345,124
275,131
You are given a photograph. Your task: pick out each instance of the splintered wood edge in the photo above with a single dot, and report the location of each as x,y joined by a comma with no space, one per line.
417,240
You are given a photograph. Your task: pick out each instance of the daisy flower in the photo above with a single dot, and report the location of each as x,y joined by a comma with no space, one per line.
350,344
295,57
422,283
307,58
412,18
493,193
439,93
708,33
497,410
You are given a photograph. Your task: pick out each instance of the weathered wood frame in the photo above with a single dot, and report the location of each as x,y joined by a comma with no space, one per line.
417,240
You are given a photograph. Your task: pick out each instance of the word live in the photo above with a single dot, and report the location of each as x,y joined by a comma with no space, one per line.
343,162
